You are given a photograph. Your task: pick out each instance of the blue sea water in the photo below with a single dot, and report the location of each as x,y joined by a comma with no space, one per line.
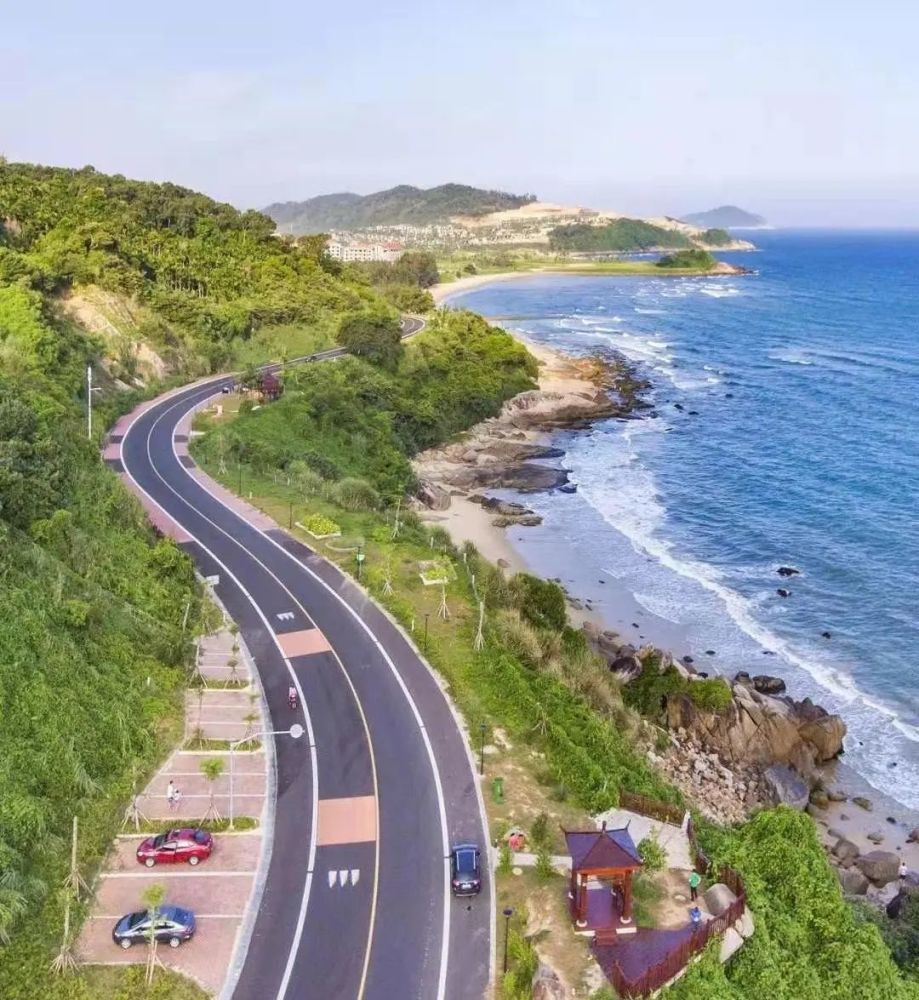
802,449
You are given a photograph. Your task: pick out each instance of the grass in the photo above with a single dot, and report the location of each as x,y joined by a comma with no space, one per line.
121,983
453,267
275,343
206,743
240,824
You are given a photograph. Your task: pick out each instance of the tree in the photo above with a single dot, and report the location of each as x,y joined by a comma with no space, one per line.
152,899
375,336
212,769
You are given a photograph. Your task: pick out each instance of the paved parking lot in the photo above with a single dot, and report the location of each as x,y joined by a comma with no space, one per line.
218,890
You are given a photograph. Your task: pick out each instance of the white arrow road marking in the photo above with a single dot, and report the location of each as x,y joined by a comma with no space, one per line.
333,878
355,875
343,875
285,616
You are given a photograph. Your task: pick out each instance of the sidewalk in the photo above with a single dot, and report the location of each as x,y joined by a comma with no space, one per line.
218,890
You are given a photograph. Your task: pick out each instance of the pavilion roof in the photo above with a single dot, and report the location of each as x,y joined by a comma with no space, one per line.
593,850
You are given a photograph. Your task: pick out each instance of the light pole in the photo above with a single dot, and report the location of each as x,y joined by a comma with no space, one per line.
508,913
90,389
482,728
295,732
427,615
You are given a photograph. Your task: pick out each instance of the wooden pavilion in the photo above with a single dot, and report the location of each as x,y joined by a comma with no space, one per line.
602,864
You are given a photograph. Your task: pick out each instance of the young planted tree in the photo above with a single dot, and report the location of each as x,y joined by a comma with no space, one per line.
212,768
152,899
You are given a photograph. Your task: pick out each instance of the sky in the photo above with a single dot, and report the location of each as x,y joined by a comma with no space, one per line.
805,112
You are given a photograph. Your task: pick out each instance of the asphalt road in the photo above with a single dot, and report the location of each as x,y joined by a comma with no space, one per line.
356,902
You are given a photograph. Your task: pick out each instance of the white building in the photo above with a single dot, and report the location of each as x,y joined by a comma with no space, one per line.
364,251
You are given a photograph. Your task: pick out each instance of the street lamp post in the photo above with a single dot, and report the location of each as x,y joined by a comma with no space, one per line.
482,728
508,913
427,615
295,732
90,389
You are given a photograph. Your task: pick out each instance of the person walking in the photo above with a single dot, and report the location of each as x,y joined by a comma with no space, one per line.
695,880
176,799
904,871
171,794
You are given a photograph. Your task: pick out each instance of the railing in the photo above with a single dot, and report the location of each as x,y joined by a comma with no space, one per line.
657,975
662,811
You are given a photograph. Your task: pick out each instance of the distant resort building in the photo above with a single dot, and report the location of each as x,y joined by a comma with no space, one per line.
346,251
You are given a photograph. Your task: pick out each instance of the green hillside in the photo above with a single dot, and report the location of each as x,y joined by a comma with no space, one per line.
403,204
619,235
207,277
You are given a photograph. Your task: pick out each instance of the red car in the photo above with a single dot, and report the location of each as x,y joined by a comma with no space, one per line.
186,844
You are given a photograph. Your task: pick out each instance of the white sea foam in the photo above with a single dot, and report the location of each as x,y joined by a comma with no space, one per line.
720,291
650,312
791,356
631,504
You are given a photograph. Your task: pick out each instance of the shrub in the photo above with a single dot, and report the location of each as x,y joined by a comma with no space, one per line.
520,637
713,694
354,494
541,602
543,867
374,336
653,856
540,834
307,481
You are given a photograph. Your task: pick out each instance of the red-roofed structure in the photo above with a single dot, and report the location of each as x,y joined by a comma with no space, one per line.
608,858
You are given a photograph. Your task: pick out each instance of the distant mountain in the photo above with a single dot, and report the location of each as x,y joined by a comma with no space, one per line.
403,204
726,217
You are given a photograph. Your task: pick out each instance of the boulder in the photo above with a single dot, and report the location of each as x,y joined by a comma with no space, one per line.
881,867
766,684
835,833
825,735
863,803
730,943
626,668
913,836
787,571
845,850
819,798
786,787
853,882
744,924
718,898
547,985
433,496
836,796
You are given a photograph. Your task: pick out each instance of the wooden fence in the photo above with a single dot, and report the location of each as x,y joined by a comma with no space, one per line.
657,975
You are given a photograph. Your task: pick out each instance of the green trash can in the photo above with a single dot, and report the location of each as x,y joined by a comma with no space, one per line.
497,789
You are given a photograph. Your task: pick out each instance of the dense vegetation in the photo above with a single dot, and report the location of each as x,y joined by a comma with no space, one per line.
687,259
354,418
725,217
402,204
716,237
616,236
91,639
208,276
403,283
809,943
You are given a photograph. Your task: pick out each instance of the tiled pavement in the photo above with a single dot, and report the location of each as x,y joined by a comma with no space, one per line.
218,890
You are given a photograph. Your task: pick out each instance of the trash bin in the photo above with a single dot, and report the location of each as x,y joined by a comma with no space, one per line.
497,789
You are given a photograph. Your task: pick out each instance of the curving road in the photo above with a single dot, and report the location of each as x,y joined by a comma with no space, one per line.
356,900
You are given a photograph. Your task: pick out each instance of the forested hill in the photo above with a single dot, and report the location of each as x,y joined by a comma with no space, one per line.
200,276
403,204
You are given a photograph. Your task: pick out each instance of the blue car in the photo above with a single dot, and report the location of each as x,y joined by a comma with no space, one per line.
173,926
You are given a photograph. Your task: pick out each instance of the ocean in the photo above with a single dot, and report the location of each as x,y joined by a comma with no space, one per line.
785,432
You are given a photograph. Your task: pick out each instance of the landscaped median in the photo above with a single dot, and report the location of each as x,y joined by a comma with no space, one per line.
192,789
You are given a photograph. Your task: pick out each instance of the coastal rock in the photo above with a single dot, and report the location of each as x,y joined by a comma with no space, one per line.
819,798
766,684
626,668
853,882
568,488
863,803
876,837
834,795
782,592
744,924
787,571
845,850
881,867
913,836
825,735
433,496
786,787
